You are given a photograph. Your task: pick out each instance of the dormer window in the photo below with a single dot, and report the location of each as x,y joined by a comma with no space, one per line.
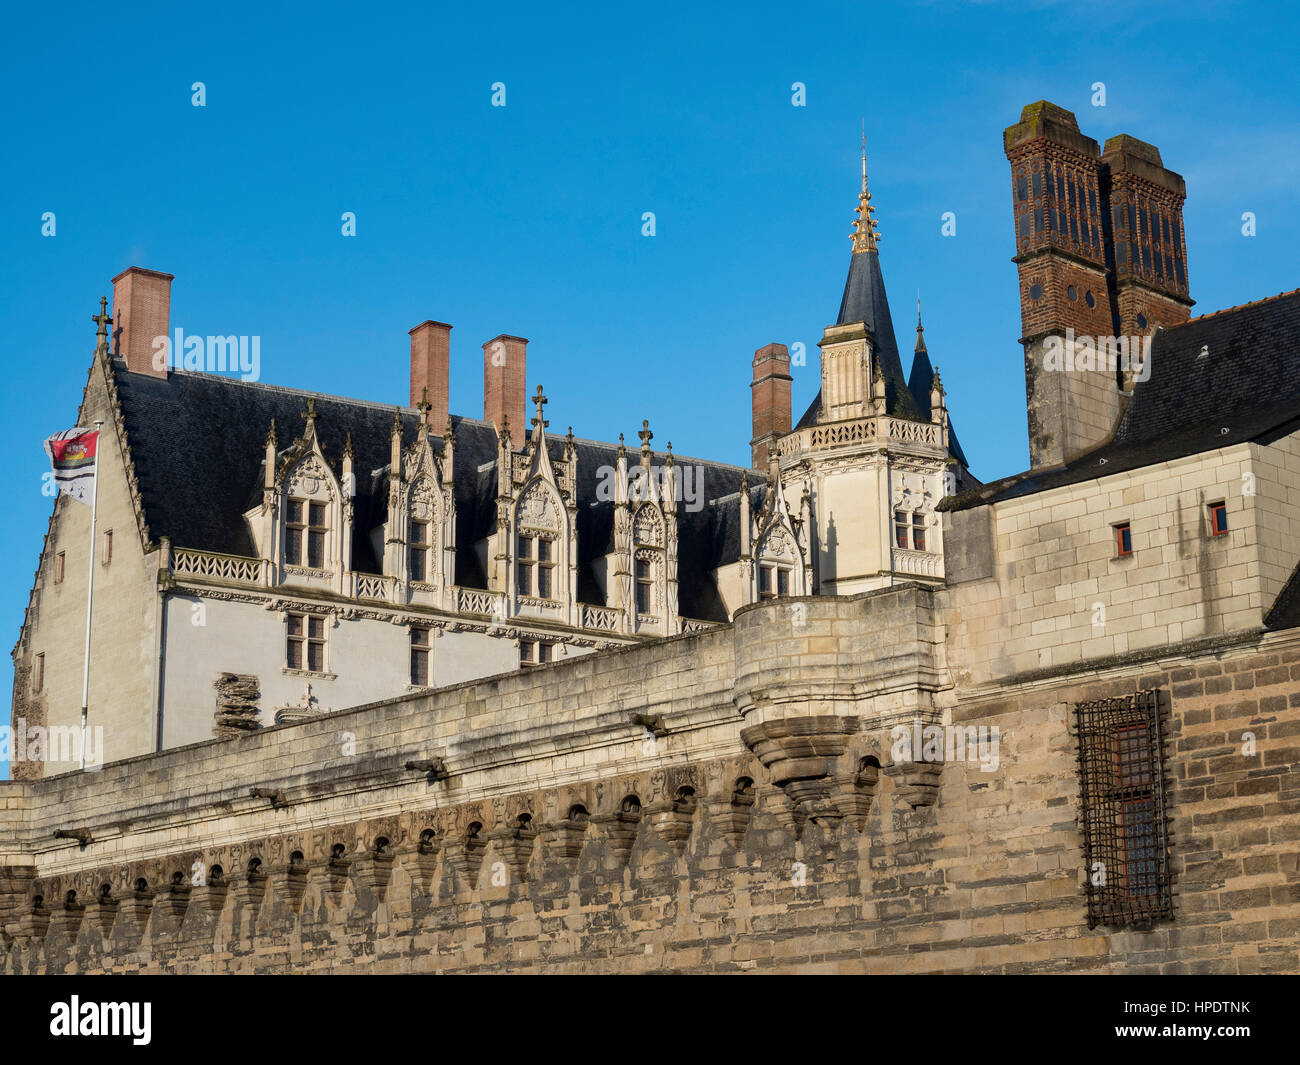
419,551
534,565
304,533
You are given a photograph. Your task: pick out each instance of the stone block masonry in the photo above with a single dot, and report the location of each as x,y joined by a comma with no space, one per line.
762,824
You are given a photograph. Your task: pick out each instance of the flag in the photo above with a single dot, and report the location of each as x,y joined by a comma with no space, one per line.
72,458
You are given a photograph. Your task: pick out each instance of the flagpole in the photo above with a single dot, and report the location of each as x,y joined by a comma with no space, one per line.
90,596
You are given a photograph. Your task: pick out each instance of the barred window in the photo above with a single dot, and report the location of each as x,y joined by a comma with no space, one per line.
1122,814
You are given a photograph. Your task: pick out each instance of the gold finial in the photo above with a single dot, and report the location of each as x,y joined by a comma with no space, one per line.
865,236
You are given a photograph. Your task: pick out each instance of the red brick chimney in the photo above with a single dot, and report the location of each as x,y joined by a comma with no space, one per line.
770,390
504,384
430,369
141,313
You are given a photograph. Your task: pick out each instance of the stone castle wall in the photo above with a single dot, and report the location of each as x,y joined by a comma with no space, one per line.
722,801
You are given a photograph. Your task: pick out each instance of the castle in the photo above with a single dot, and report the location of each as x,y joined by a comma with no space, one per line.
852,709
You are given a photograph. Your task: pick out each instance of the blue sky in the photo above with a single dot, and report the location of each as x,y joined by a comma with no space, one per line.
527,219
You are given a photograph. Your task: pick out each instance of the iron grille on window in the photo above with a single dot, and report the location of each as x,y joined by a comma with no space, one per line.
1125,832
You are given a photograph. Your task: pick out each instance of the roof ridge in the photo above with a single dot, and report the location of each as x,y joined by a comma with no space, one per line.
1239,307
373,404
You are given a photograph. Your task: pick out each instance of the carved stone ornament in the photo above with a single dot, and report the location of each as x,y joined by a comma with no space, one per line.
537,508
310,478
648,527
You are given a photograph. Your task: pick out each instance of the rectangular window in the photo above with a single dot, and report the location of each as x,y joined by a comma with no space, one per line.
918,531
644,586
419,550
1218,519
900,529
782,581
306,649
38,674
1122,813
524,565
60,561
108,546
535,652
316,536
293,532
1123,540
544,565
420,657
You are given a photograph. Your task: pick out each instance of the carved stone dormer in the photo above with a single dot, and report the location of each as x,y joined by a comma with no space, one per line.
776,536
539,536
420,534
305,526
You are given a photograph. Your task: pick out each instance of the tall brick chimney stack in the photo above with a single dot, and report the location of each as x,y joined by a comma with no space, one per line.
1150,249
504,385
141,312
1056,191
770,392
431,370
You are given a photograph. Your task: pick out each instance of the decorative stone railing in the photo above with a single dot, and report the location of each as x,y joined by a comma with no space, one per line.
860,431
917,563
602,618
694,625
209,564
373,586
478,601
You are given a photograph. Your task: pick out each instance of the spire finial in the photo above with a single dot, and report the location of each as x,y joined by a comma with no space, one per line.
864,235
920,329
646,435
424,406
102,320
309,415
540,401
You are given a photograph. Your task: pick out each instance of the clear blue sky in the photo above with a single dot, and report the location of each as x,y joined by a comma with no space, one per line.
527,219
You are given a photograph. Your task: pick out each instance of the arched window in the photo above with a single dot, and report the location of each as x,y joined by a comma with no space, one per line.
647,560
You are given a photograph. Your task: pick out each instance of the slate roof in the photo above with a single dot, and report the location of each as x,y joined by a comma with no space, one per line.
198,444
1217,380
919,382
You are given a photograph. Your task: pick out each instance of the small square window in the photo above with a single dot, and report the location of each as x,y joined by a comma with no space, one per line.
1218,519
1123,540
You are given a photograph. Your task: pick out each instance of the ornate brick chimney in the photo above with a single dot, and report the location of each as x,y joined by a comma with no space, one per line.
430,372
141,313
504,383
770,391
